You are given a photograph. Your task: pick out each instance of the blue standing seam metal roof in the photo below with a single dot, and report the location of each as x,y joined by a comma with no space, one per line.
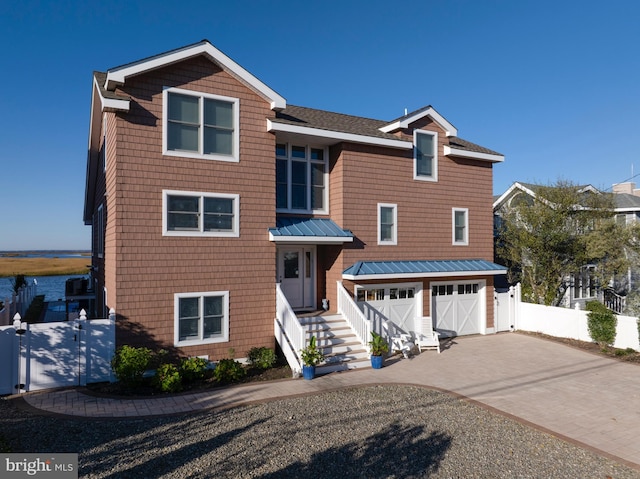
317,227
362,268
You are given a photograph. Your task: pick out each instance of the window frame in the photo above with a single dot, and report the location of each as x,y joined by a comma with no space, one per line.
233,233
224,337
234,157
465,241
309,162
434,166
99,231
394,230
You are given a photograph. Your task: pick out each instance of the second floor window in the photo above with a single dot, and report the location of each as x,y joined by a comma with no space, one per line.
200,125
387,224
200,214
301,178
460,226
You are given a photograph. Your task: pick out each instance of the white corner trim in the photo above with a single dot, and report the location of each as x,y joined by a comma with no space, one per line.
118,76
449,151
337,135
449,129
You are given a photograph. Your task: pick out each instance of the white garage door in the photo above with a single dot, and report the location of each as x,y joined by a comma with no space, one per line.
397,303
455,307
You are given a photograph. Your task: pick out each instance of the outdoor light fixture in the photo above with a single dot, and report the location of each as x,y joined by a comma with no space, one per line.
20,328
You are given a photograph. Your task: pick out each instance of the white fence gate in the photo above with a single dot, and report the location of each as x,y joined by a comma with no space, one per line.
50,355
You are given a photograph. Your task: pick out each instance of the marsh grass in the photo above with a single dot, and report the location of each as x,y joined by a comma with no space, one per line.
11,266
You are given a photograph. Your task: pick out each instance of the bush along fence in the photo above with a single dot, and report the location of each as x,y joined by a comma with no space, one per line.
17,303
572,323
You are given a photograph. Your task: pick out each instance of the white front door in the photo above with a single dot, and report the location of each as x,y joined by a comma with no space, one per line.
295,274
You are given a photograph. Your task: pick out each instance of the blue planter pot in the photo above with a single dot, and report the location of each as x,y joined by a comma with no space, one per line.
376,362
308,372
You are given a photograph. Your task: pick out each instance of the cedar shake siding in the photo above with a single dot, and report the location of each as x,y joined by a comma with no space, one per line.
139,268
151,267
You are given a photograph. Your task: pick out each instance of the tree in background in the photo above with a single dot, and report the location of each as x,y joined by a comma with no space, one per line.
563,227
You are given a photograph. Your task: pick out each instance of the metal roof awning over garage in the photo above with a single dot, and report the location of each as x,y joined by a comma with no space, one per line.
421,269
309,231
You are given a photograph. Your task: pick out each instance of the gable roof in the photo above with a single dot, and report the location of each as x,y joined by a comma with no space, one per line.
421,269
533,190
118,75
626,202
427,111
329,127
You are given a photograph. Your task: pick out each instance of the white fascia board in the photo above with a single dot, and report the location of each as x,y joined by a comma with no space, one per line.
119,76
337,135
310,239
441,274
449,129
629,209
110,104
448,151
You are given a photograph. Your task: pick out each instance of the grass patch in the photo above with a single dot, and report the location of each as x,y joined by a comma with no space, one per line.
43,266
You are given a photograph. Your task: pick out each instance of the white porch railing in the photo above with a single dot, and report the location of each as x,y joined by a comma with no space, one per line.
290,334
355,318
18,303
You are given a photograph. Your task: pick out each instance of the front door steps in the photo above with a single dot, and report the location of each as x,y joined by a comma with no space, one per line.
338,342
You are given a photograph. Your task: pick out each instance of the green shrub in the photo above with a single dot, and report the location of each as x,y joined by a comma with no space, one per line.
193,369
168,378
229,370
261,358
129,364
601,323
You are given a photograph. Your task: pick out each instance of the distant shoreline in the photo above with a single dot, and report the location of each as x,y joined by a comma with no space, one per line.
43,266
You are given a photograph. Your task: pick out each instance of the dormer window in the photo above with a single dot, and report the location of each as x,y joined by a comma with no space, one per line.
199,125
425,162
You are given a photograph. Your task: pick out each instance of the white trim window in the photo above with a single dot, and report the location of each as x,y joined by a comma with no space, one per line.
201,318
190,213
200,125
99,231
387,224
301,179
460,226
425,155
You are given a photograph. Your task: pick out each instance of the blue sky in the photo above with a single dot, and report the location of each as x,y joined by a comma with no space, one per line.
553,85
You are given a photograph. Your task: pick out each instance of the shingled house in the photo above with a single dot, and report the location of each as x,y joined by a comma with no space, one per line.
216,207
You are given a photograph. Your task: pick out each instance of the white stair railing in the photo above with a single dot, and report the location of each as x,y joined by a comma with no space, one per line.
355,318
290,334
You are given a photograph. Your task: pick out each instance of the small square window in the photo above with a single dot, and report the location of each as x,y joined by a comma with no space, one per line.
201,318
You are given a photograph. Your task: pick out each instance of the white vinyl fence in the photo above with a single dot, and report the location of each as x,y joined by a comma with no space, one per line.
50,355
567,323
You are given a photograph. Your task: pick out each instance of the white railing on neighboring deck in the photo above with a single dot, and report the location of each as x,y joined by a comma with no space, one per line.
18,303
355,318
290,334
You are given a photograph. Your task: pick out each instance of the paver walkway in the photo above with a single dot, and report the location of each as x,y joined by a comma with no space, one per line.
586,399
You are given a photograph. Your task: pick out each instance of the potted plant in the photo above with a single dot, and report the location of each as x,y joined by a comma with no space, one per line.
311,356
379,347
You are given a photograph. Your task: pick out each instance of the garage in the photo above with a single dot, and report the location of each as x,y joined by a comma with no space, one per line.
398,303
457,308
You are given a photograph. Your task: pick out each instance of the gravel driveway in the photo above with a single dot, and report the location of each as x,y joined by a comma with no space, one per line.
373,432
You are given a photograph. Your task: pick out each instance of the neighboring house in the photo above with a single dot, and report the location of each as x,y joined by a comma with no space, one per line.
582,285
207,193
